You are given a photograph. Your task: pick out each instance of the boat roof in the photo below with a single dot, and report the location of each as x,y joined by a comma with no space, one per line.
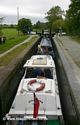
40,61
23,104
46,42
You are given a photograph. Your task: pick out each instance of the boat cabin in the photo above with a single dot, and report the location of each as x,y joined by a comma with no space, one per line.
37,96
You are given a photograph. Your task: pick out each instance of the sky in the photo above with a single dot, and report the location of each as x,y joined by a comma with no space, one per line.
33,9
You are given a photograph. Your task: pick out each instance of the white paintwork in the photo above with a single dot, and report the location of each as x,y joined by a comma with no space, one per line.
46,42
23,104
48,59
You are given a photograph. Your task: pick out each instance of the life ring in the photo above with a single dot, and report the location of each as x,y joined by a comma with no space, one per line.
41,87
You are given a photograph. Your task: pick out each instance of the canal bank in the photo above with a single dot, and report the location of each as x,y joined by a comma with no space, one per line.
7,66
70,85
48,122
9,81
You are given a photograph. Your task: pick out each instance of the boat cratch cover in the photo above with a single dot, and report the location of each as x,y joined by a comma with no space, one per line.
36,106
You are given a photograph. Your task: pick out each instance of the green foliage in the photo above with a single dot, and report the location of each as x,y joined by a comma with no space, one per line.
76,38
12,39
11,42
73,17
5,60
54,14
10,33
24,25
58,24
39,26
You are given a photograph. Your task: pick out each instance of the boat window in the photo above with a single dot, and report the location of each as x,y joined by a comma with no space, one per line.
48,73
29,70
49,49
36,72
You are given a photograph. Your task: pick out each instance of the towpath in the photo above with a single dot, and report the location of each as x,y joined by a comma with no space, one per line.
69,51
27,40
7,69
72,47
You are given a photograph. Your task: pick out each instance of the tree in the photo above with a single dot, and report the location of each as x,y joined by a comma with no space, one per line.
58,25
73,17
53,15
39,26
24,25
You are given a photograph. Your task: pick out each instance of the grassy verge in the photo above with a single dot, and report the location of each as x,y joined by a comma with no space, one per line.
10,33
12,39
76,38
12,42
5,60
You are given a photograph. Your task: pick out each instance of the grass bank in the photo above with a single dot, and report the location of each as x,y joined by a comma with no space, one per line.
76,38
10,33
5,60
12,39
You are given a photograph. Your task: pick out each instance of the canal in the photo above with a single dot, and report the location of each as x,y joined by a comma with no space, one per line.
9,88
